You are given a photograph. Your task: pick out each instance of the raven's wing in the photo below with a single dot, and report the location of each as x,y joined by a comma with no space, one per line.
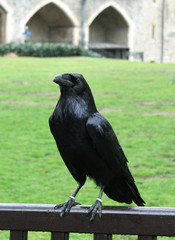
122,188
106,143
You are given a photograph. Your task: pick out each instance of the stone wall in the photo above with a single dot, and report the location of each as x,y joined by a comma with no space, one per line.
169,32
136,24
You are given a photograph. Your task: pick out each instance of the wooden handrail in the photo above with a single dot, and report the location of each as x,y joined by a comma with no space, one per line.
146,222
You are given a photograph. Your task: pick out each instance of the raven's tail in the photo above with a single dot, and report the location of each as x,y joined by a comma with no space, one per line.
136,195
123,191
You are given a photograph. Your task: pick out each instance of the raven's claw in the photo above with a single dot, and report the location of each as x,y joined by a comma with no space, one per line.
96,207
66,206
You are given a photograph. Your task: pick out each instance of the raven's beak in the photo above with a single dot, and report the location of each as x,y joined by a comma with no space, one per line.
63,80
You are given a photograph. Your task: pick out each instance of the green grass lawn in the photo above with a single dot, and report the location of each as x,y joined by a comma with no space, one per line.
138,99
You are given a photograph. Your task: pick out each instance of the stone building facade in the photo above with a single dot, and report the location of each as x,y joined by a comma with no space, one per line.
145,27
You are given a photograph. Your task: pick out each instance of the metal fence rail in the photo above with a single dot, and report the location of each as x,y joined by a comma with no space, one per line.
146,222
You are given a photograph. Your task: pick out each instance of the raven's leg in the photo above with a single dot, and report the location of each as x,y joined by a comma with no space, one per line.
97,206
71,202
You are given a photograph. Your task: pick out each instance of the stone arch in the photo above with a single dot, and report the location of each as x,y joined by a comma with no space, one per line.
59,26
110,23
116,6
5,22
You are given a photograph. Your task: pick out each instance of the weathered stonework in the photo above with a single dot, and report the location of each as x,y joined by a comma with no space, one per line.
140,25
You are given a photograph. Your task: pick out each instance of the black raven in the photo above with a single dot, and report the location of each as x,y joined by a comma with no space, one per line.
89,146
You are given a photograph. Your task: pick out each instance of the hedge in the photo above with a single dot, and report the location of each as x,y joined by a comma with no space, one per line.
45,50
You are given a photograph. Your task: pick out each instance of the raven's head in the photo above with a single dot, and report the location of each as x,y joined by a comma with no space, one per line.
71,82
75,86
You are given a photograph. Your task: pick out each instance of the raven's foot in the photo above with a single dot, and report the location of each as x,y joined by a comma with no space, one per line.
97,207
66,207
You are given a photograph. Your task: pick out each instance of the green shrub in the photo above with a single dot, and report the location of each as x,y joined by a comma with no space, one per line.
4,49
45,50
